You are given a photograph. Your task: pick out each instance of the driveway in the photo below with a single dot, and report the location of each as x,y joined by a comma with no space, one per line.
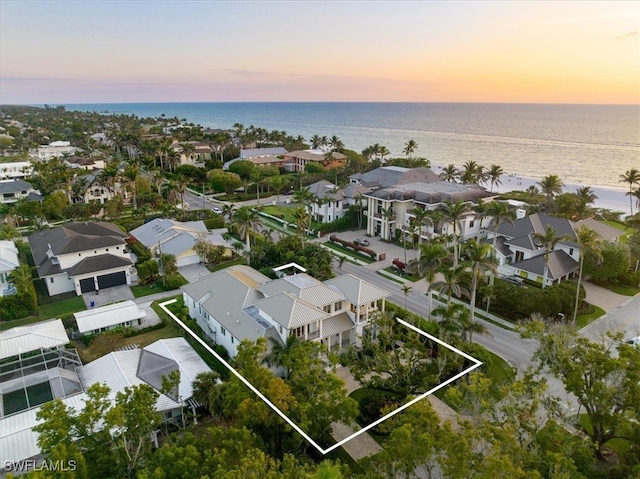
602,297
107,296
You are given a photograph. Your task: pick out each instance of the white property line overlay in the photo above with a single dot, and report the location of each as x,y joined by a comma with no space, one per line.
476,364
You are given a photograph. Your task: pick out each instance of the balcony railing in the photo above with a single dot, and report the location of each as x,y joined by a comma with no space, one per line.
313,335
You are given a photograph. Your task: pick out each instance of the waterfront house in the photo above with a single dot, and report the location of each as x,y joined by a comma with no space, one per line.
297,160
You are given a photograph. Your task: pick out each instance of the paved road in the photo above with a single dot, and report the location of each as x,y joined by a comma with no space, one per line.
625,318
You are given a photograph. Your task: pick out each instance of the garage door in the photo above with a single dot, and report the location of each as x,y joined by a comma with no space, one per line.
87,285
113,279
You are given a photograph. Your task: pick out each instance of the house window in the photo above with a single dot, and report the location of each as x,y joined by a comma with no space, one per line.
571,251
471,223
223,331
337,306
280,329
231,339
327,308
298,332
117,247
51,280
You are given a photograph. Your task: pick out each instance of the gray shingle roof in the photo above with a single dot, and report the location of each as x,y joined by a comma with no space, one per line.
537,223
560,264
395,175
98,263
14,186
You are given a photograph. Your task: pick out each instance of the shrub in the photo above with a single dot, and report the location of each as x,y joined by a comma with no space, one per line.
214,223
630,278
147,271
174,281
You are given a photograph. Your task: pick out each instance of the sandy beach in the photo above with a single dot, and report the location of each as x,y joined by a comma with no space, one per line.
608,198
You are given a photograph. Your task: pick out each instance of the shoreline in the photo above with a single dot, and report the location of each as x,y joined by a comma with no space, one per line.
608,197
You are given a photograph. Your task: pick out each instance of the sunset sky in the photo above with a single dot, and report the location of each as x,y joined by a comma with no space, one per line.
145,51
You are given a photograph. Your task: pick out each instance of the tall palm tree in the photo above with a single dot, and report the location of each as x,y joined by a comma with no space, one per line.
480,261
410,147
472,172
632,177
389,214
336,143
451,282
585,197
549,239
456,318
499,213
551,185
449,173
305,198
181,183
131,172
421,217
431,257
588,240
406,290
494,173
303,220
245,219
278,183
384,151
359,199
453,213
315,142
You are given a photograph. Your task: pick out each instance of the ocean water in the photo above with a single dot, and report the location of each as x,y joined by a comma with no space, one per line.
583,144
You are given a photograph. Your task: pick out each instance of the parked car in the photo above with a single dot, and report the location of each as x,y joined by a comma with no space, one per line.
217,210
361,241
517,280
633,341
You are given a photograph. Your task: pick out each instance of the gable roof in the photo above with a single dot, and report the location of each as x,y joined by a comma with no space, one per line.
537,223
33,337
175,237
304,287
357,291
560,264
107,316
9,259
289,311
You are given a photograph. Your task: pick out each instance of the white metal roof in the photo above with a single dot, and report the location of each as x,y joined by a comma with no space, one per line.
17,440
107,316
8,256
22,339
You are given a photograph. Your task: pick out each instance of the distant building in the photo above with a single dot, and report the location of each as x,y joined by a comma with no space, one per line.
297,160
81,257
53,150
196,155
331,203
84,162
15,190
260,157
16,170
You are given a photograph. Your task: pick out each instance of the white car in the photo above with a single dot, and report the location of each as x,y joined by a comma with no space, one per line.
217,210
633,341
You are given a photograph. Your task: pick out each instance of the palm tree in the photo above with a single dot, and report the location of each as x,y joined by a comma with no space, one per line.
131,174
336,143
359,198
280,354
473,172
588,240
585,197
431,257
494,173
453,213
303,220
551,185
227,211
389,214
305,198
278,183
180,184
410,147
548,240
420,217
632,177
406,290
456,318
451,282
245,218
480,261
449,173
315,142
384,151
499,213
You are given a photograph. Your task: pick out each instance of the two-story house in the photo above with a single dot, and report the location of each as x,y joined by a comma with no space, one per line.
13,190
272,156
15,170
81,257
399,192
53,150
520,253
331,203
297,160
240,303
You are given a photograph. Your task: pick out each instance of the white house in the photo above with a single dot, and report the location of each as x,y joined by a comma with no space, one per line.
193,153
111,316
16,170
53,150
331,203
12,191
9,260
399,192
520,253
81,257
240,303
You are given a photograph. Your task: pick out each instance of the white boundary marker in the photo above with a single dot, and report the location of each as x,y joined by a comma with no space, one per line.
476,364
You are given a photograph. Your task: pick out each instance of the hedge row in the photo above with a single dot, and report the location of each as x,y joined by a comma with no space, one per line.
353,246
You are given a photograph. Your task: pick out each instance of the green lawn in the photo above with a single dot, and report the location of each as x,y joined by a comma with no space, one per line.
623,290
285,212
621,227
226,264
63,308
585,319
410,277
141,290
